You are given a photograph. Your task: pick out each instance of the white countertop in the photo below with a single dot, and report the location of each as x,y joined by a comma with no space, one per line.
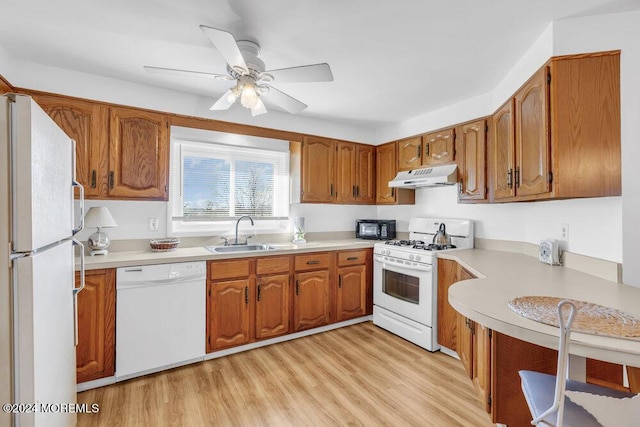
131,258
503,276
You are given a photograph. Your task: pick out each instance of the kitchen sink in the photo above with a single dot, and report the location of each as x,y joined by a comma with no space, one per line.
239,248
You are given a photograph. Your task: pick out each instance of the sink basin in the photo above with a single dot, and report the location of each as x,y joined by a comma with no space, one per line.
239,248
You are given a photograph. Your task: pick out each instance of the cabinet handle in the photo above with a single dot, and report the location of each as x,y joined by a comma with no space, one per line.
313,262
352,258
461,186
246,295
297,287
93,178
393,191
331,190
518,177
353,190
357,191
418,151
426,150
510,178
259,292
111,180
339,280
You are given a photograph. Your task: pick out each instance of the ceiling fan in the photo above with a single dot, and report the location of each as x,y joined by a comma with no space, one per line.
252,81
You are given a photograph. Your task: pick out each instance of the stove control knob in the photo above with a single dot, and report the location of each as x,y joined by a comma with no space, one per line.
417,257
388,251
411,257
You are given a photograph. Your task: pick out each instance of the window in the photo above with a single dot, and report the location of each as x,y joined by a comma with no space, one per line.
213,183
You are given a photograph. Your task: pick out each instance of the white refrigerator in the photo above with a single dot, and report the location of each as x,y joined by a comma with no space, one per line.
38,324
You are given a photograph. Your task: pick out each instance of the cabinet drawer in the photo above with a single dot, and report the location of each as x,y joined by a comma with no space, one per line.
276,264
313,261
228,269
352,258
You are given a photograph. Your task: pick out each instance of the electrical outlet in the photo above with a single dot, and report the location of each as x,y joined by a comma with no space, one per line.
564,232
153,224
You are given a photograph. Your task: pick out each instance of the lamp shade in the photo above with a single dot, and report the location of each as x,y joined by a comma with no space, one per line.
99,217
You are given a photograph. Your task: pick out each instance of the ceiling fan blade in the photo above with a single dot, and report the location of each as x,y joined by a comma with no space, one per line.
304,73
227,46
223,103
176,72
283,100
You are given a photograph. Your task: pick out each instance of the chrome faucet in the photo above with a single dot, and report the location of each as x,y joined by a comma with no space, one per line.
238,223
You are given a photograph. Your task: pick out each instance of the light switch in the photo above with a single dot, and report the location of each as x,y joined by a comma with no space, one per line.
153,224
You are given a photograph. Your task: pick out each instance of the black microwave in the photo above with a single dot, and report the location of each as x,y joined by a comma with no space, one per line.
376,229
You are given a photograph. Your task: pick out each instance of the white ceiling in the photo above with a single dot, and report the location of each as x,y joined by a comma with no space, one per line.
391,60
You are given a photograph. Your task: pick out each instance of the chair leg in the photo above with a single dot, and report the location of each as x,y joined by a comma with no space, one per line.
561,373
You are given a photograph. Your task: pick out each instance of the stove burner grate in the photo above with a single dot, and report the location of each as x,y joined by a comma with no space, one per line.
433,247
411,243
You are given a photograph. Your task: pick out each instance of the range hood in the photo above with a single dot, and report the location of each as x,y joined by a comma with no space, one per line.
426,177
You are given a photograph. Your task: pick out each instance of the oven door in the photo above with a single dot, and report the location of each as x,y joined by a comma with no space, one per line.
404,290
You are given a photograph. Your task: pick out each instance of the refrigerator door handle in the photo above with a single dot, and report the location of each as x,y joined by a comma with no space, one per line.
76,291
75,231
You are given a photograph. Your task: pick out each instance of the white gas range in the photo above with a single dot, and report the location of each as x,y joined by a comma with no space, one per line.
405,279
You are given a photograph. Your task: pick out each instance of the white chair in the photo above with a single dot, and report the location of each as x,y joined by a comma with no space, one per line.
545,394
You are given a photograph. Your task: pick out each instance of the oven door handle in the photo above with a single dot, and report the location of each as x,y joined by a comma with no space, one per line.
402,265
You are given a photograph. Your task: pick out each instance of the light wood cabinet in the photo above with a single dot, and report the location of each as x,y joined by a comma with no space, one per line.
272,306
228,314
86,123
354,281
95,352
447,315
439,148
121,153
318,170
365,174
472,161
409,153
386,170
138,154
311,300
355,173
566,132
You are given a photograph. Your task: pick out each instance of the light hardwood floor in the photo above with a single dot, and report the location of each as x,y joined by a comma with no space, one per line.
358,375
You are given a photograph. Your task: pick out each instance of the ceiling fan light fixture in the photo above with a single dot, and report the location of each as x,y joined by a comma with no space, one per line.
249,97
234,93
259,108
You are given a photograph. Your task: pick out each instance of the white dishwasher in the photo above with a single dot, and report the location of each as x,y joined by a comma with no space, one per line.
160,317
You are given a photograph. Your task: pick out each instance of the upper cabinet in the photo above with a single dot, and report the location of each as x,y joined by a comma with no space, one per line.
138,154
121,153
337,172
386,170
409,153
439,148
86,123
559,137
471,157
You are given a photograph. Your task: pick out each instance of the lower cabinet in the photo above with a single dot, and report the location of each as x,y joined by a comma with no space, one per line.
272,306
257,298
95,352
228,314
311,300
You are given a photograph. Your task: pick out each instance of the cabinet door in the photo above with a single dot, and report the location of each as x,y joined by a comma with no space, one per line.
86,123
439,148
346,173
482,364
272,306
352,292
464,343
409,153
311,300
532,136
318,174
138,154
385,172
365,174
95,352
471,149
447,315
228,314
503,152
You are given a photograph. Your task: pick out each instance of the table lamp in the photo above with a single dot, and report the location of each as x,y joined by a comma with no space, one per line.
99,217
